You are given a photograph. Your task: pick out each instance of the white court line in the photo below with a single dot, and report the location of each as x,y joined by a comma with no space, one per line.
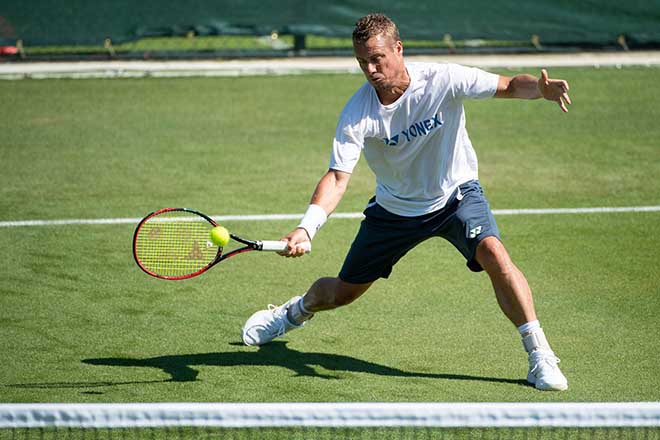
343,215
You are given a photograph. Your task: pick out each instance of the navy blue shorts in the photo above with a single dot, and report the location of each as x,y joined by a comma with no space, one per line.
384,237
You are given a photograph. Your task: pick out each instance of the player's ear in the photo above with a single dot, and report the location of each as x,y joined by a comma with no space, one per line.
398,47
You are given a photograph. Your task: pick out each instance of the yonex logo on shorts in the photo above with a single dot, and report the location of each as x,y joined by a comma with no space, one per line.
475,231
421,128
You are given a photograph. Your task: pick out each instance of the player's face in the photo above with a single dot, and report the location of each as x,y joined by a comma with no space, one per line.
381,60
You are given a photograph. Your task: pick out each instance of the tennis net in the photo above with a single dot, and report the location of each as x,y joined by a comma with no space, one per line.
632,420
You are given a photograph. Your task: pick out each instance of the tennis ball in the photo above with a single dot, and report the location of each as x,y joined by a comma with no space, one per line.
220,236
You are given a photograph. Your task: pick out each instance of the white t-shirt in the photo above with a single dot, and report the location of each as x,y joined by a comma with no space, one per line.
417,147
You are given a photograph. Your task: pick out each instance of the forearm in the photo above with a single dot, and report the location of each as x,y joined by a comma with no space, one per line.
330,190
325,199
521,86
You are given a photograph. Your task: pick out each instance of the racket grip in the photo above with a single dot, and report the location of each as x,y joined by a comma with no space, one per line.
279,246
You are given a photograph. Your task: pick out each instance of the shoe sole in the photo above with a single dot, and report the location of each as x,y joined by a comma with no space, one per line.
544,386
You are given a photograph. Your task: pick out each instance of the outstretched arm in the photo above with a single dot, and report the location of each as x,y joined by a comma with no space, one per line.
330,190
529,87
327,195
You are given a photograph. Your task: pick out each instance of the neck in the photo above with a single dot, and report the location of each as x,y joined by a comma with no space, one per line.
394,91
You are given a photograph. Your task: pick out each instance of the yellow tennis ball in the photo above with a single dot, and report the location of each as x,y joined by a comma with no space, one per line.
220,236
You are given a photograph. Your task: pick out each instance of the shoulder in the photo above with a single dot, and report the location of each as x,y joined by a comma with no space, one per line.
429,77
459,72
431,74
442,69
471,82
426,70
364,93
358,105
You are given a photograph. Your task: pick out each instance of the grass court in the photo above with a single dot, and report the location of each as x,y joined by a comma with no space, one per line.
79,322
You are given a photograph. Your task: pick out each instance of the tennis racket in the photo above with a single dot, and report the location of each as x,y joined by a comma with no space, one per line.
175,244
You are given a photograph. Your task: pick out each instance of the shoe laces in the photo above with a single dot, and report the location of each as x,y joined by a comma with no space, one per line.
541,359
278,321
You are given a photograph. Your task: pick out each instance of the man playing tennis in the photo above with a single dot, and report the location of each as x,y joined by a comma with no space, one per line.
409,121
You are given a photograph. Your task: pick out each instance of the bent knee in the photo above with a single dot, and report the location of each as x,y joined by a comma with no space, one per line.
493,256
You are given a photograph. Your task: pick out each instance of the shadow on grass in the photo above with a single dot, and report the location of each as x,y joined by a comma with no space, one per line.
99,384
180,367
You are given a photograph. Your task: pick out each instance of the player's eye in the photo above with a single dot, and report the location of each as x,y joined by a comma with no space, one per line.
376,59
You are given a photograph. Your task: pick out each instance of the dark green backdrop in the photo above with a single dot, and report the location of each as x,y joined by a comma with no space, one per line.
78,22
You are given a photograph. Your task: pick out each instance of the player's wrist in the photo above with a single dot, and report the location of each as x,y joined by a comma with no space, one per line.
314,218
305,231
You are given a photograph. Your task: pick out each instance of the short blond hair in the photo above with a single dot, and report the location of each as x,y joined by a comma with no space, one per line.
372,25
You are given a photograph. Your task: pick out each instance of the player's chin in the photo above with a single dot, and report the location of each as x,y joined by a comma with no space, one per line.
382,86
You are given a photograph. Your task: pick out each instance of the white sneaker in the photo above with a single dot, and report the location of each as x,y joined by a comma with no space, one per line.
544,372
266,325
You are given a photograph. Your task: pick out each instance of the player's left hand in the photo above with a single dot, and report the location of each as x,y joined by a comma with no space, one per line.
554,90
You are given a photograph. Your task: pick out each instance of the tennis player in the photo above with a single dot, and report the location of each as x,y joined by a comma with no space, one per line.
409,122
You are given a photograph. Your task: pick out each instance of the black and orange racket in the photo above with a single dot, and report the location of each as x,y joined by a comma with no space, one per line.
175,244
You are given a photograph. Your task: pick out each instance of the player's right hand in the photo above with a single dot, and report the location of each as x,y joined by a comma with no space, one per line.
293,239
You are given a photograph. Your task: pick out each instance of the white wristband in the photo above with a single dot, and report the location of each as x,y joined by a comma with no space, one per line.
313,219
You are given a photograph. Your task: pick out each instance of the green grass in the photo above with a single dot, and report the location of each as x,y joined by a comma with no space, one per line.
176,44
249,43
80,323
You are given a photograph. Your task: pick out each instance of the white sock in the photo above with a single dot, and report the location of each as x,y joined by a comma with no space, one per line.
529,326
297,313
533,337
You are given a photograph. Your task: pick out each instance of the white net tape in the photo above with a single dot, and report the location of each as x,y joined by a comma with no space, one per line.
243,415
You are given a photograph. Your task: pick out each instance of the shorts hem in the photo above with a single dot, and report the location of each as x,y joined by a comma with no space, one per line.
360,281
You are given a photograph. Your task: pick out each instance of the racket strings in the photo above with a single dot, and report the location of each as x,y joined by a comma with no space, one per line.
174,244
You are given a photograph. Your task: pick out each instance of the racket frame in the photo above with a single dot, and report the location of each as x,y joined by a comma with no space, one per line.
249,245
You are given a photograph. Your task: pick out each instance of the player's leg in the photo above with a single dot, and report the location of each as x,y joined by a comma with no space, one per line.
325,294
515,299
471,227
330,293
511,289
382,240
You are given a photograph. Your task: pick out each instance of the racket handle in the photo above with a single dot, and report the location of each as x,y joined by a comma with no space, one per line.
279,246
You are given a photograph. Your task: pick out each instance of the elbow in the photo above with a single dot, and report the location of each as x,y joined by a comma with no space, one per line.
341,180
504,87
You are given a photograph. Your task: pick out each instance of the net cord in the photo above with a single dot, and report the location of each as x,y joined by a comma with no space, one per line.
246,415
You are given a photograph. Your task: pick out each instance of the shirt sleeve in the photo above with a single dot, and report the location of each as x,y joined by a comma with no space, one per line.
471,82
346,147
